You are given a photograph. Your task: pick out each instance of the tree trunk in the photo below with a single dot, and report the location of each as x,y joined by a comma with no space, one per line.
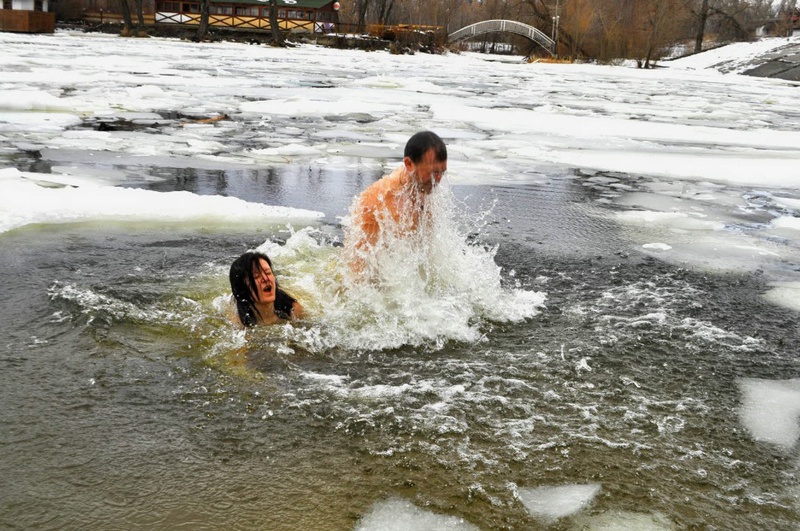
277,36
385,11
202,29
701,27
126,18
362,15
140,30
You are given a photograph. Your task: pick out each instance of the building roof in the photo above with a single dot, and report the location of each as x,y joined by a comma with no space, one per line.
309,4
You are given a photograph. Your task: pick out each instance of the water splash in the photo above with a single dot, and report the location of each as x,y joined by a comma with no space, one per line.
426,287
433,286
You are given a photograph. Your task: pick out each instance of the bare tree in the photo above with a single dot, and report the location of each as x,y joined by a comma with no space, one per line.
578,17
601,29
730,20
140,29
277,36
658,22
702,16
362,6
786,14
202,27
384,8
127,21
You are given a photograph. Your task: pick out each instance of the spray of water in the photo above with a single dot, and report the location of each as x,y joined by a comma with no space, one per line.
421,287
424,288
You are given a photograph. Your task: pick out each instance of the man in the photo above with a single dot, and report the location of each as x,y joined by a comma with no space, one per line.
393,205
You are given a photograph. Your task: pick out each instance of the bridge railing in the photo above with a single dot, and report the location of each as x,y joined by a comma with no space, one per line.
510,26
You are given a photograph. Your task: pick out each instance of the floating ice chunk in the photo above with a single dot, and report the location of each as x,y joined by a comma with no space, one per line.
41,122
145,91
657,246
670,220
397,514
553,502
29,100
785,295
288,150
624,521
787,202
316,107
786,222
771,410
382,82
27,197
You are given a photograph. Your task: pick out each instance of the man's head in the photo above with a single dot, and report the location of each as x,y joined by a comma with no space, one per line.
425,158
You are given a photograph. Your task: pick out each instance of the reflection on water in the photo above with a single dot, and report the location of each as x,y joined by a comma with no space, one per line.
129,402
305,187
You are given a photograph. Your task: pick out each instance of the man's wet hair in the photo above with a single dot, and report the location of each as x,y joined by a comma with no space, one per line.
421,142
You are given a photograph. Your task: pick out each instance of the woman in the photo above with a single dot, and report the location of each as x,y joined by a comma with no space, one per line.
257,299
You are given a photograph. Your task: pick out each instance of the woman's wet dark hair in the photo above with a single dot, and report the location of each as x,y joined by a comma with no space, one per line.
421,142
241,277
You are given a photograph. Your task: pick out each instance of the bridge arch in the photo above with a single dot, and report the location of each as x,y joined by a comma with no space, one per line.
508,26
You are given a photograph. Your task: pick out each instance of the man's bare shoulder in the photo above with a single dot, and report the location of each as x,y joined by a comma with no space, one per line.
386,185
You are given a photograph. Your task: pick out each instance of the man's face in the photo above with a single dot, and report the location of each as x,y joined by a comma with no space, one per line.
428,172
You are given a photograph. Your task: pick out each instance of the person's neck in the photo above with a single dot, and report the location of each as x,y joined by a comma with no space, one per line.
266,312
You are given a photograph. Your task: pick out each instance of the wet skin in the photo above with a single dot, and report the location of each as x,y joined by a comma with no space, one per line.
428,172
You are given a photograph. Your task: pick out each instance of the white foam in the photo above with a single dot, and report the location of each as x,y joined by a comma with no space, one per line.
430,287
553,502
396,514
770,410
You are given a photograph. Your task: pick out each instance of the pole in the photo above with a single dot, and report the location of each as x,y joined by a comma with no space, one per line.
555,29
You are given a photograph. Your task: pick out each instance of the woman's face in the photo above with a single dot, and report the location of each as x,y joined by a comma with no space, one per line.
264,289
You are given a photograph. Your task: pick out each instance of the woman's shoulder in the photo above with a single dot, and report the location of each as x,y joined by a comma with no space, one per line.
232,311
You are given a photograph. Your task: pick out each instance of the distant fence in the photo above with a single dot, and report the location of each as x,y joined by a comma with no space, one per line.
99,17
389,32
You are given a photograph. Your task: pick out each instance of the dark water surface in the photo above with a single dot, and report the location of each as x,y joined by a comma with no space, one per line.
125,406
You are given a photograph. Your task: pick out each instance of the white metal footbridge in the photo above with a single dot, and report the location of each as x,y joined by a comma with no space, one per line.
509,26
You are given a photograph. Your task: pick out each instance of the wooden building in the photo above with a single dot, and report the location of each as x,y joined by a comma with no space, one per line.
27,16
307,16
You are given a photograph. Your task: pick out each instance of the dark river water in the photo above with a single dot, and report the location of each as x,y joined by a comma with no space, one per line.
128,402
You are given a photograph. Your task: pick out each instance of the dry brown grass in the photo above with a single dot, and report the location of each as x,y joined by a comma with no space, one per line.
551,60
